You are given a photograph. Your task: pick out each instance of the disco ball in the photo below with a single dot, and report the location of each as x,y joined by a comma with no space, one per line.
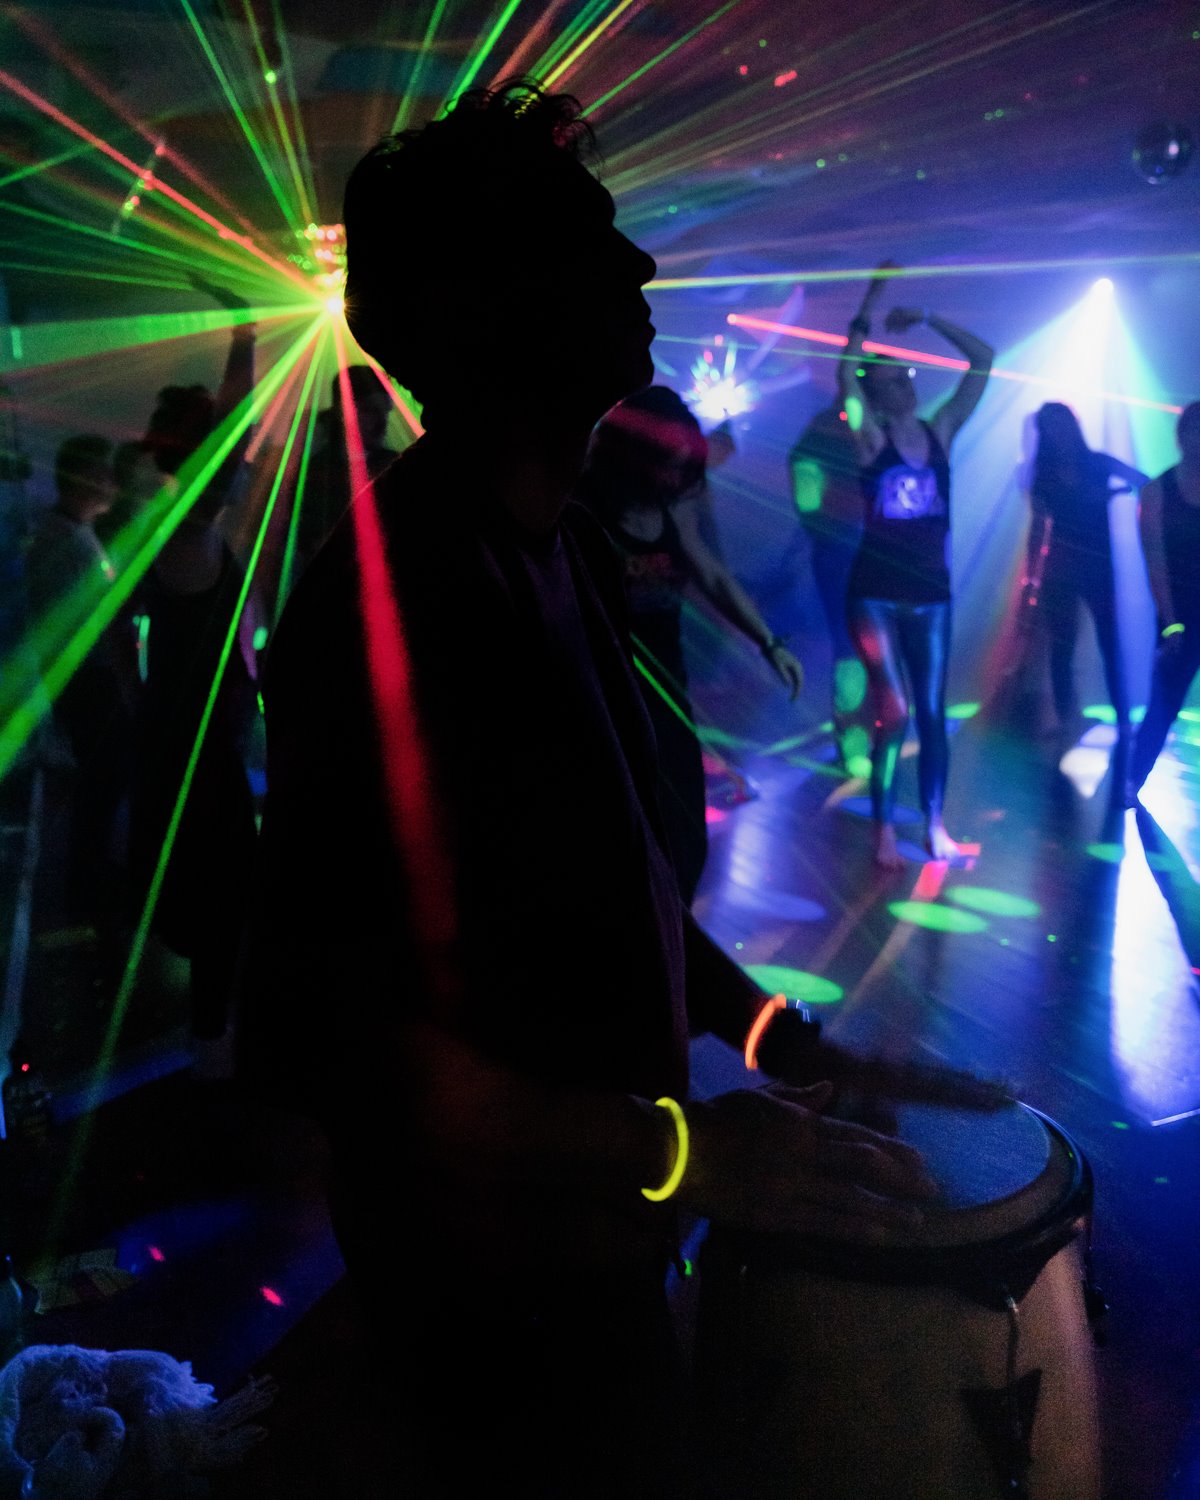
1161,150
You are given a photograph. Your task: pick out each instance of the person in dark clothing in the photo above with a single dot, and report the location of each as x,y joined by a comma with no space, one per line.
823,464
136,480
1070,490
899,590
67,570
644,472
470,960
188,597
1170,527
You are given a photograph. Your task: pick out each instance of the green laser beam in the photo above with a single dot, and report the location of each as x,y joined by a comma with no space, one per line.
112,1033
270,78
32,169
567,37
785,114
87,338
641,72
592,37
289,74
977,268
223,262
662,692
412,87
476,62
73,627
289,551
240,114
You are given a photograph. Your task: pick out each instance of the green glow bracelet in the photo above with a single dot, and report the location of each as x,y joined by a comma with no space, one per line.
661,1194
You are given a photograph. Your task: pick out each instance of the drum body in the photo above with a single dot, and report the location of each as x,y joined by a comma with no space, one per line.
956,1367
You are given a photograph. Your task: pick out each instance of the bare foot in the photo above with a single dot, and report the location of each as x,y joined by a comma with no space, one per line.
887,855
939,843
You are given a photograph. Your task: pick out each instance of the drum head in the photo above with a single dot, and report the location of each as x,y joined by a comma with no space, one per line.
996,1173
1013,1187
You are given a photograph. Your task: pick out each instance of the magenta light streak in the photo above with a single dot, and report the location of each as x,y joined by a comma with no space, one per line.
918,357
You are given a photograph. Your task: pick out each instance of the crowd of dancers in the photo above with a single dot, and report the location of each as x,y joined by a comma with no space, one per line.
871,482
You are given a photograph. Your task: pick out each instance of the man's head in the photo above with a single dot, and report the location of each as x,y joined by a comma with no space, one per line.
483,264
889,388
1187,431
83,477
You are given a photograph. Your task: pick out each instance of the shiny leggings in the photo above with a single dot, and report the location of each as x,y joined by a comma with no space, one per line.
1175,667
905,649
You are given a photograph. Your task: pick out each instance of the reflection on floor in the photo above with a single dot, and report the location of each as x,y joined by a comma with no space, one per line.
1063,956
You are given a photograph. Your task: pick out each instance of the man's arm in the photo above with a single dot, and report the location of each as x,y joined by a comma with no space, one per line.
763,1159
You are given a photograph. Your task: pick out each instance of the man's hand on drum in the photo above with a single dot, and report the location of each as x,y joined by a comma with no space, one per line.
767,1160
794,1050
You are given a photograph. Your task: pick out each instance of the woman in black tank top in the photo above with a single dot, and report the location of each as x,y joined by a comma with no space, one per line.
1170,525
898,600
1070,490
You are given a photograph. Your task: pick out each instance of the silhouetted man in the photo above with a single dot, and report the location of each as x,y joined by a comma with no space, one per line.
472,961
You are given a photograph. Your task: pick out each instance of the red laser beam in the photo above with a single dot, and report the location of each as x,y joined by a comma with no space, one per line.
51,111
412,805
918,357
53,48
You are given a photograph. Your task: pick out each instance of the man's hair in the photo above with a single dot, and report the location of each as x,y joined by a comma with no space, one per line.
441,203
78,460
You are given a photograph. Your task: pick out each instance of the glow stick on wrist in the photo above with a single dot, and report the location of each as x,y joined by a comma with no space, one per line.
675,1176
755,1035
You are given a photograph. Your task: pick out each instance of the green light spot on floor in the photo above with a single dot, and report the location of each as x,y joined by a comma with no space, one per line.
936,918
1162,1181
1111,854
859,765
796,984
1052,937
1004,942
1119,1125
1190,715
739,946
1105,712
963,710
994,903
